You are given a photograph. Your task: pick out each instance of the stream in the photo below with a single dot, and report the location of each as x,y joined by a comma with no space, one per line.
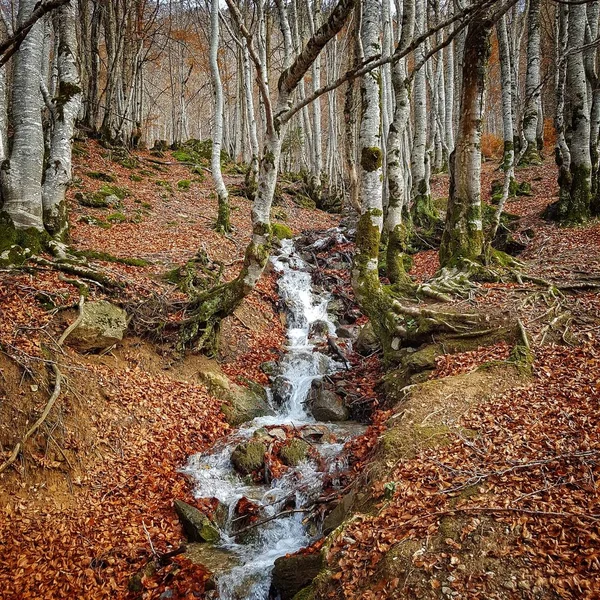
247,575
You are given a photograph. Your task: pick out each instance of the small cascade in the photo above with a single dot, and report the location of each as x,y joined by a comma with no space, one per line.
255,551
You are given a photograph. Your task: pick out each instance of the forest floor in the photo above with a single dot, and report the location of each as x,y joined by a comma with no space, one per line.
90,499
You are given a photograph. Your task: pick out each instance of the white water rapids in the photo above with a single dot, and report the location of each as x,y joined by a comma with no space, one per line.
214,476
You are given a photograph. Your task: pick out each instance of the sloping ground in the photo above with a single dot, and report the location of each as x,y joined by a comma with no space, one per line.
502,502
90,499
483,482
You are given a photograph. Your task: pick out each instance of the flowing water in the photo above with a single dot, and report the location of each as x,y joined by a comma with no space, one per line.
214,476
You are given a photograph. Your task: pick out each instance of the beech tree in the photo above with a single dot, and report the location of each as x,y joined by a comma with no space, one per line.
210,307
33,188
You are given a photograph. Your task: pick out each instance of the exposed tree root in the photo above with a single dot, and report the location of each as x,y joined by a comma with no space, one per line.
58,378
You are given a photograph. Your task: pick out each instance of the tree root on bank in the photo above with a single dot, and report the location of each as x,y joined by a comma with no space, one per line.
58,379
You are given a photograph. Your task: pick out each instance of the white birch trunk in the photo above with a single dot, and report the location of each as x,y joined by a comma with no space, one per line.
420,194
67,104
22,172
222,224
365,272
462,240
577,209
508,161
530,154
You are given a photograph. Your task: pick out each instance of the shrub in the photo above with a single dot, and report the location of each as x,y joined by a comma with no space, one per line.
492,146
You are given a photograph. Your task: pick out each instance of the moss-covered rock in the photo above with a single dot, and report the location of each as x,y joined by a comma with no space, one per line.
249,457
102,325
293,452
281,232
197,526
240,404
367,342
291,574
101,176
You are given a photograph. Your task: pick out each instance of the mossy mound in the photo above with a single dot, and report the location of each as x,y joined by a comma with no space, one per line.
108,196
100,176
198,151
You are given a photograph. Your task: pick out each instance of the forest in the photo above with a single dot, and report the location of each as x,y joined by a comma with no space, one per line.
299,299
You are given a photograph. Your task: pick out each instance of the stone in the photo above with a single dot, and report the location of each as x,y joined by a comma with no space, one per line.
347,332
424,358
336,517
240,404
325,404
103,324
112,201
249,457
269,367
367,342
318,329
293,452
197,526
293,573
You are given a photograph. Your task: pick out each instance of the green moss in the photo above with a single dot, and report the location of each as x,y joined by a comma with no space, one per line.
304,201
306,594
105,256
14,239
294,452
136,178
523,358
281,232
249,457
94,221
371,158
184,184
117,217
402,442
462,240
99,175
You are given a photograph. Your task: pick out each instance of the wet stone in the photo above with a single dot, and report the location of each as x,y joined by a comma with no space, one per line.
197,526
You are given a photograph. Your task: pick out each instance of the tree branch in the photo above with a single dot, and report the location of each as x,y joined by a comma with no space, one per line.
9,46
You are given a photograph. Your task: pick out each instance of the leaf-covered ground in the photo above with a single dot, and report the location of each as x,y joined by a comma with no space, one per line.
506,504
509,508
90,499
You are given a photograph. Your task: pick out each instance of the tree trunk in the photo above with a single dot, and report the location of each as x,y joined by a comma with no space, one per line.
422,208
575,208
22,171
530,153
365,268
462,241
222,225
67,104
508,160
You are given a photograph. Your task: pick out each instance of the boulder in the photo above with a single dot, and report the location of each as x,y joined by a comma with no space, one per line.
319,329
325,404
102,325
336,517
347,332
293,452
241,404
249,456
367,342
269,367
293,573
197,526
